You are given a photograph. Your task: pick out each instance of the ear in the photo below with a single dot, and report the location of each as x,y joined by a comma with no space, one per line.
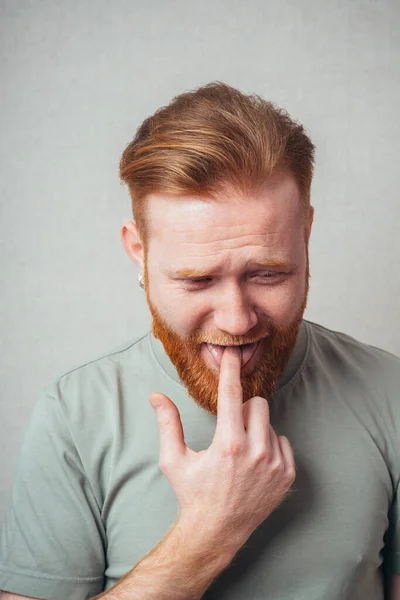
310,222
132,243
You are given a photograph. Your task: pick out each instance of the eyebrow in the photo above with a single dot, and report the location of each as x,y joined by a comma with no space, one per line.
265,263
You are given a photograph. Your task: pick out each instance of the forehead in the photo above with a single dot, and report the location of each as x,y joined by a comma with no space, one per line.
190,227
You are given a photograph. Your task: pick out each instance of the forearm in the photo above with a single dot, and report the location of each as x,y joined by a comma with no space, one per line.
181,567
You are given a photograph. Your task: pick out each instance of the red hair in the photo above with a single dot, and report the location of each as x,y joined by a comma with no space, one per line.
212,138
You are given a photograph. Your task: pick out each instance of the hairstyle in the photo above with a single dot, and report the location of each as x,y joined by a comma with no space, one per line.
210,139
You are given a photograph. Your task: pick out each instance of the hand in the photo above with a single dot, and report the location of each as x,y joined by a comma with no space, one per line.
233,486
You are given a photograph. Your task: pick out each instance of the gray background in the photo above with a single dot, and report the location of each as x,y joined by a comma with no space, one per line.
78,77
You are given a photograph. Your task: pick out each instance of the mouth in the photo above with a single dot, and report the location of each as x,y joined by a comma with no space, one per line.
247,352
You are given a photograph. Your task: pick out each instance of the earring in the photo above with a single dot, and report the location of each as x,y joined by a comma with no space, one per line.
140,279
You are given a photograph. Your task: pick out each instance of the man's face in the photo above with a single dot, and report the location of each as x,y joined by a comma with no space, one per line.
228,272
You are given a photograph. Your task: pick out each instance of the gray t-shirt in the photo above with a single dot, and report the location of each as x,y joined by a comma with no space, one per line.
89,499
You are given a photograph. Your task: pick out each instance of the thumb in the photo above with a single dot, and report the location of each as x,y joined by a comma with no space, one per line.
172,442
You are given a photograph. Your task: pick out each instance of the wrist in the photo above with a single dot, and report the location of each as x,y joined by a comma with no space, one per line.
207,544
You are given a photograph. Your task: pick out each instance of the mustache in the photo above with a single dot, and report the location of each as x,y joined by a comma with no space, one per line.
222,339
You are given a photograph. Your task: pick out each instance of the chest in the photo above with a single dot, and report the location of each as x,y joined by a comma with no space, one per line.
325,539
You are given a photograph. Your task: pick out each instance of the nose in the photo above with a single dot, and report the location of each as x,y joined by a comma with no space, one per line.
234,312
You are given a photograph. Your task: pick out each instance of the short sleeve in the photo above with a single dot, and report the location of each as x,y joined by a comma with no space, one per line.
52,541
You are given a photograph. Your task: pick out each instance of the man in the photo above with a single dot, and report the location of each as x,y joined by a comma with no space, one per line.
278,460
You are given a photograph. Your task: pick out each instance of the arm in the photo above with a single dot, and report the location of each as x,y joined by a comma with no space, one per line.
181,567
52,526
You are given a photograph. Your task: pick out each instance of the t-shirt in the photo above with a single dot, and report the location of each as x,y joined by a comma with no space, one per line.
89,499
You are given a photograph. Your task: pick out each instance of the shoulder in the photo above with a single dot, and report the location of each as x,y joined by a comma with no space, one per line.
336,349
99,385
129,356
86,409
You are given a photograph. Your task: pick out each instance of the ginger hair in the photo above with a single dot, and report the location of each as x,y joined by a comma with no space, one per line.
211,139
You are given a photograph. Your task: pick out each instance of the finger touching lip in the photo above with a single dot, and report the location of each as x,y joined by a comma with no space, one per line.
246,351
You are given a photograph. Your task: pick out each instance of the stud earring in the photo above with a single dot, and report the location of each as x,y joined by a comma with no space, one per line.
140,279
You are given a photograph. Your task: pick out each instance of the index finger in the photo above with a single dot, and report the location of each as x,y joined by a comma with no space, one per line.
230,394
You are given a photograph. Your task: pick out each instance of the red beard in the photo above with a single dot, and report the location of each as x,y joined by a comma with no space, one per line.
201,382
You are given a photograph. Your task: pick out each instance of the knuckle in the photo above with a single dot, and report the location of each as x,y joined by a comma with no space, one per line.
166,464
284,440
291,474
259,400
276,466
232,448
165,422
261,455
232,390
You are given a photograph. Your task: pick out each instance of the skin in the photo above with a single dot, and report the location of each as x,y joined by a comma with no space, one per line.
211,276
220,238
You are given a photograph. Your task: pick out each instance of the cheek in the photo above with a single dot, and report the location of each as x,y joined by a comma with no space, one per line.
282,303
183,312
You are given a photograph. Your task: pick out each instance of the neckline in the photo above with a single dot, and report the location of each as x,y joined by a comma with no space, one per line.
292,366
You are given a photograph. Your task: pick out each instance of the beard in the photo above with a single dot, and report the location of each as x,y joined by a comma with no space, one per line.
201,382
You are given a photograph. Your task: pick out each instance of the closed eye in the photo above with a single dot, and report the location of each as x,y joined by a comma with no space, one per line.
268,275
198,281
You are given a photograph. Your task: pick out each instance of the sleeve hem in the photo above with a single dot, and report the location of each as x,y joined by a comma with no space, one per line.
46,588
